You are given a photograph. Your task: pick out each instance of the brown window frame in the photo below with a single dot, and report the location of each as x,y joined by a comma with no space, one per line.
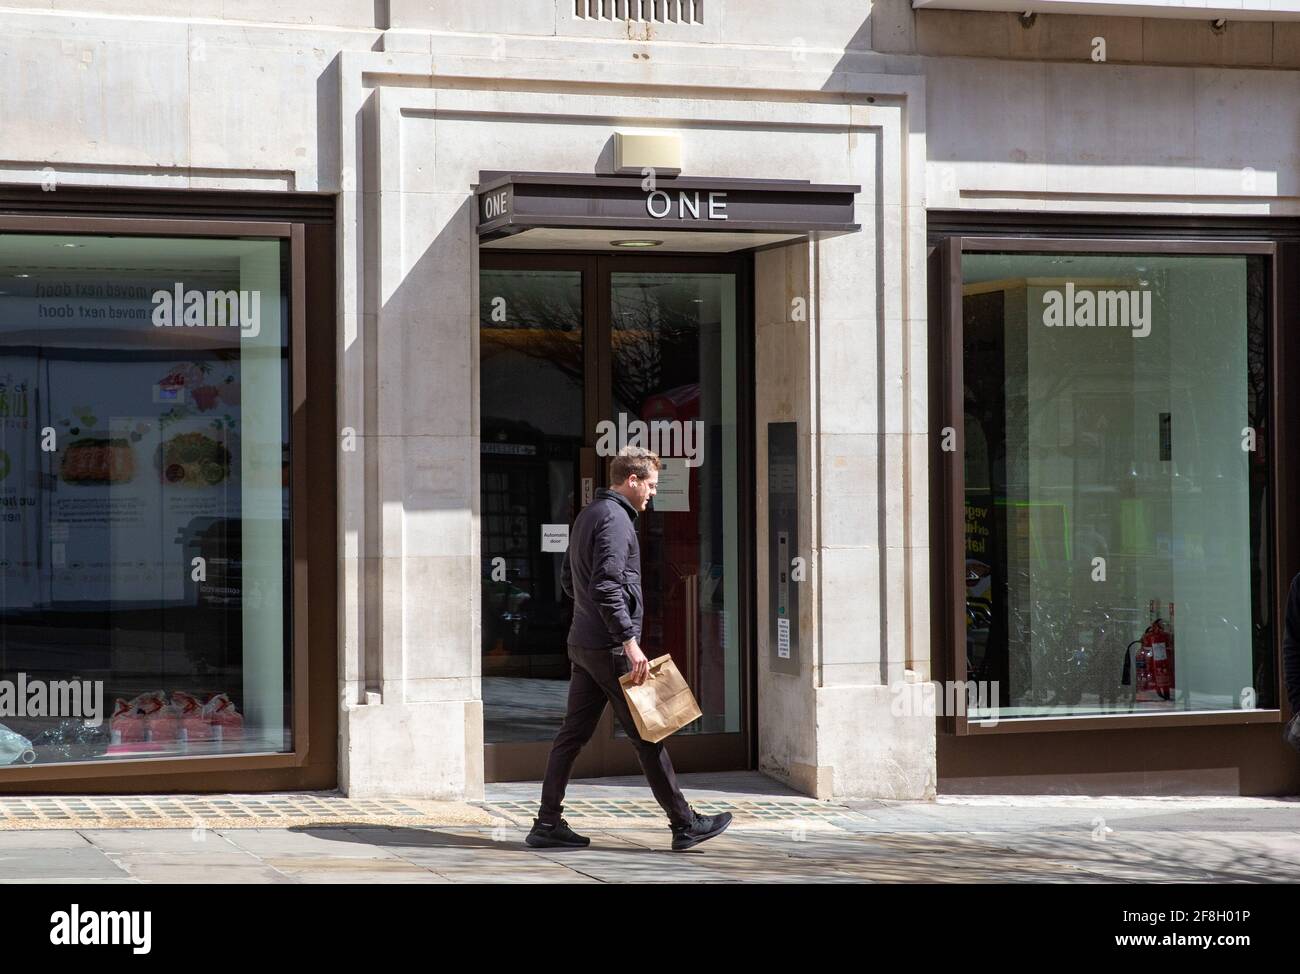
311,460
948,478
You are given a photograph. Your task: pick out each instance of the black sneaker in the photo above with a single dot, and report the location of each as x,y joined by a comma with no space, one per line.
555,836
704,827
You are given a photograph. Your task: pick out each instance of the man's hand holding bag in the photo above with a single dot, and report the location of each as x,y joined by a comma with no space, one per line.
663,704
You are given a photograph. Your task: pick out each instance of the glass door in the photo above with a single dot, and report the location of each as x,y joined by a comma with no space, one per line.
673,360
580,356
532,404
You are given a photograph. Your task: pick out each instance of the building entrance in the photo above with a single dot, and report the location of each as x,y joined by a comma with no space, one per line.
579,356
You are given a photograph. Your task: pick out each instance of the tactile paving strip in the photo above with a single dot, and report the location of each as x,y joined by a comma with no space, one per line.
225,811
288,810
773,812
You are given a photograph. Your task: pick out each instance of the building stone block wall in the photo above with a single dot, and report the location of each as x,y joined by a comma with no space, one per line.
1147,139
416,236
412,720
784,385
852,375
395,107
896,28
837,25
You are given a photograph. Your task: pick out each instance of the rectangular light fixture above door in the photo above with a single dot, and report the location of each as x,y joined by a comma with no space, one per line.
634,153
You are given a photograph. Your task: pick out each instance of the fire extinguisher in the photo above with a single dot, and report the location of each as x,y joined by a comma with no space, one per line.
1161,667
1154,659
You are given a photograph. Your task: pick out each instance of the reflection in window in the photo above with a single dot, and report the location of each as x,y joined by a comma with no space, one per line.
530,406
143,497
1115,546
674,370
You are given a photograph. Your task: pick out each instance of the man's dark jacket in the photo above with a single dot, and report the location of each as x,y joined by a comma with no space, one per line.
602,574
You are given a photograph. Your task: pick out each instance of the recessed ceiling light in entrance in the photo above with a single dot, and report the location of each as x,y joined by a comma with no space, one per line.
635,243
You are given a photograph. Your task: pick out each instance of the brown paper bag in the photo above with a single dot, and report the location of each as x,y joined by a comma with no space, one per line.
662,704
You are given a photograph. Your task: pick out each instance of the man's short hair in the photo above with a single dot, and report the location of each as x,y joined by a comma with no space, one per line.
633,460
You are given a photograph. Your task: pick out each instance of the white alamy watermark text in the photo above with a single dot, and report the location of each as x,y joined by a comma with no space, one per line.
974,699
75,927
666,437
53,698
192,308
1091,308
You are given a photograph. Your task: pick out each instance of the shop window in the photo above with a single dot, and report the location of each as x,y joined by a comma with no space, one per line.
144,497
1115,481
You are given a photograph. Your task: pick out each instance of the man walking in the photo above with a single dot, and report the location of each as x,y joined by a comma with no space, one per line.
602,574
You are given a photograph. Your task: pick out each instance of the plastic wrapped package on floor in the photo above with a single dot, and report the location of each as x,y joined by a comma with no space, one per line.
195,726
227,722
14,748
126,726
72,740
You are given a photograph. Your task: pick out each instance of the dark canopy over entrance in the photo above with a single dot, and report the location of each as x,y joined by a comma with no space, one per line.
554,210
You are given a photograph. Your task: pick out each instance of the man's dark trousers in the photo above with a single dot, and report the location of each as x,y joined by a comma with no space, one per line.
593,684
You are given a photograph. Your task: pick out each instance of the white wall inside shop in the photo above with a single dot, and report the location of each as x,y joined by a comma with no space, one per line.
262,498
1096,395
1095,518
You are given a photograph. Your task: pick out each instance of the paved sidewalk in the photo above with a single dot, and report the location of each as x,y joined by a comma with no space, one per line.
779,836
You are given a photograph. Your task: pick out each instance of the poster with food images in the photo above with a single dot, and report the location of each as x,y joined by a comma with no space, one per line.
145,468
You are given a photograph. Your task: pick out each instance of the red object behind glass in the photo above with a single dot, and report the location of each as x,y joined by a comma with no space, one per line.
669,604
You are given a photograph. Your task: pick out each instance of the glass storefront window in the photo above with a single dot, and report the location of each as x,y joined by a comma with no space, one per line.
144,497
1116,482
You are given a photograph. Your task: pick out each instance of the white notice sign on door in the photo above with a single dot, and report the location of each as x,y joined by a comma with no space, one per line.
674,490
555,537
783,638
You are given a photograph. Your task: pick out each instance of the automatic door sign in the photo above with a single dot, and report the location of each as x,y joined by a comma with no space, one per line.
555,537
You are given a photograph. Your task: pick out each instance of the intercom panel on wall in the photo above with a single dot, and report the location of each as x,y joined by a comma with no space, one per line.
785,566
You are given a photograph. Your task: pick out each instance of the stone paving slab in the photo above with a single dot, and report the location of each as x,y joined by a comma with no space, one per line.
205,842
199,862
421,877
187,873
317,869
63,839
47,863
72,881
777,837
1038,813
331,843
643,855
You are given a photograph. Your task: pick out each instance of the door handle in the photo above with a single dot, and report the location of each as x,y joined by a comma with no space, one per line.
586,476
